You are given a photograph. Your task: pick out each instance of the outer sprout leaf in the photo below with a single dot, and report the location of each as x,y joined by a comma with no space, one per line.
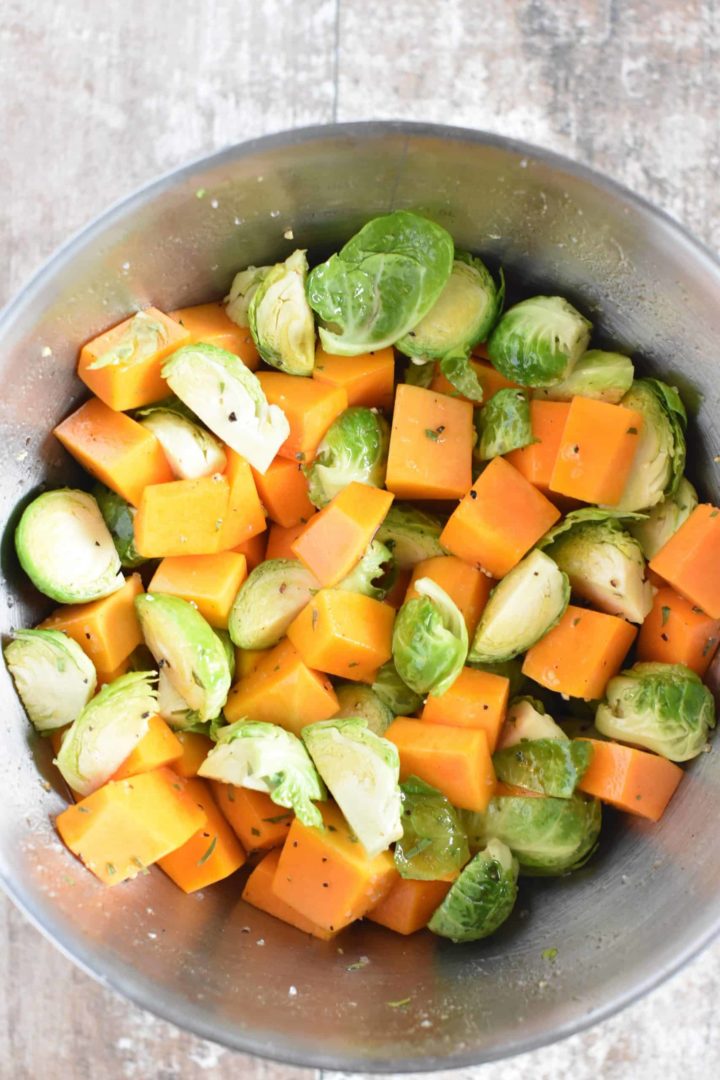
538,341
412,535
459,372
433,844
141,339
527,721
119,516
280,319
420,373
244,286
659,460
373,575
550,766
481,899
358,700
394,693
430,640
504,424
354,448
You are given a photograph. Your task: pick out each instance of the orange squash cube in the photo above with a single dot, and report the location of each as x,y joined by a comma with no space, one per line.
258,822
210,582
107,629
690,561
579,655
244,515
367,379
211,854
184,517
114,449
632,780
596,452
258,891
310,407
345,634
280,540
326,875
454,760
678,632
537,460
431,442
253,550
499,520
335,539
195,748
283,491
135,380
210,324
158,746
409,905
477,699
463,583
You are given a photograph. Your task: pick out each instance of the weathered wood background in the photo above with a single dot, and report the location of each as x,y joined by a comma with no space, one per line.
97,97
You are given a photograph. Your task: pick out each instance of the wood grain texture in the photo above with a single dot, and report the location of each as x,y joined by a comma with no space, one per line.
98,98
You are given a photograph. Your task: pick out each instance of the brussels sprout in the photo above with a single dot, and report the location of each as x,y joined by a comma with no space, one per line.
481,899
521,609
265,757
142,338
374,575
354,448
268,600
225,640
463,314
604,376
187,649
281,322
664,519
659,460
548,836
393,692
660,707
229,399
361,701
244,286
508,669
119,516
361,769
430,640
191,451
107,731
433,843
381,284
504,424
52,675
527,720
411,534
539,341
603,562
550,766
172,706
65,548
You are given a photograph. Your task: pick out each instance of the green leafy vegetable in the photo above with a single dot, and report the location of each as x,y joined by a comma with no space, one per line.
142,338
481,899
430,640
394,693
550,766
280,319
191,451
659,460
373,575
356,699
52,675
412,535
433,844
354,448
119,516
244,286
381,284
527,720
604,376
504,424
538,341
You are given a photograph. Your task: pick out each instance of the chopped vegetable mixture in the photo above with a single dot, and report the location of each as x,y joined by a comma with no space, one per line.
360,554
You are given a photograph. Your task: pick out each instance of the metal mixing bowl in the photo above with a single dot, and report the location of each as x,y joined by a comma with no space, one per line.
651,897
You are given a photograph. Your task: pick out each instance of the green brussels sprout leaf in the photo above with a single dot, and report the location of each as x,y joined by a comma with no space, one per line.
142,338
354,448
119,516
244,286
420,373
358,700
604,376
280,319
663,520
373,575
481,899
527,720
504,424
459,372
271,596
430,640
394,693
550,766
659,460
538,341
191,451
433,843
412,535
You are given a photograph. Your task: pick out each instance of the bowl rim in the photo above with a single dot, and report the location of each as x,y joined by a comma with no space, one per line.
114,976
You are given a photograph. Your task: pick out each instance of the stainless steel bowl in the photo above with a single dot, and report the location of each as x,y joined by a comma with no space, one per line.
651,897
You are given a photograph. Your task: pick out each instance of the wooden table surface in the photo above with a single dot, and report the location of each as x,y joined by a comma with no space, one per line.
98,97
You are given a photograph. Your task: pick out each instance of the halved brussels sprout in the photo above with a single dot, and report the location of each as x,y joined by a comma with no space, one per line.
65,548
603,562
119,516
280,319
522,608
604,376
394,693
463,314
191,451
142,338
381,284
361,770
172,706
52,675
271,596
551,766
527,720
433,844
361,701
660,707
354,448
659,460
107,731
481,899
244,286
265,757
411,534
503,424
539,341
548,836
374,575
430,640
187,649
229,399
664,519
